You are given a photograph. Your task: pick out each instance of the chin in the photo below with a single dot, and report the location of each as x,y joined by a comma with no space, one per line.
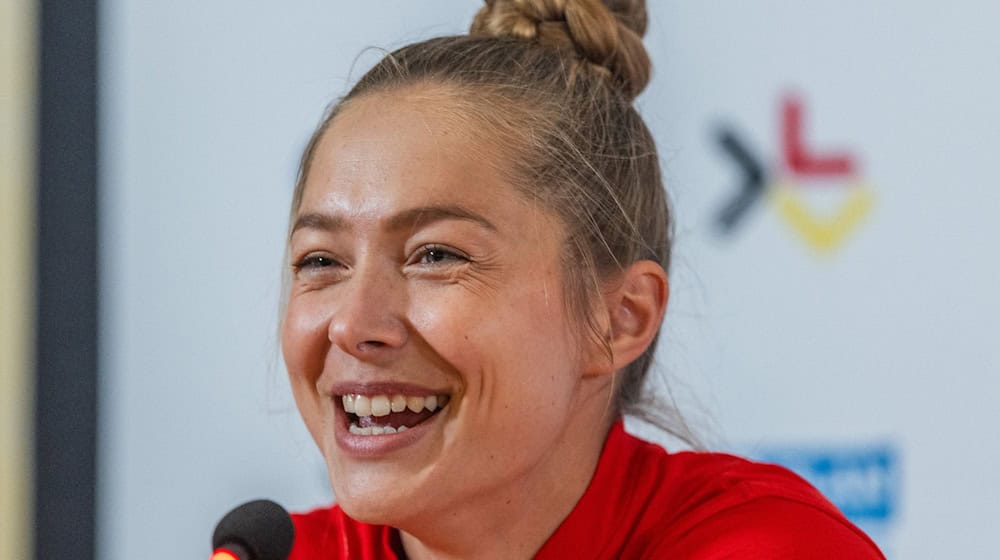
367,512
371,508
375,500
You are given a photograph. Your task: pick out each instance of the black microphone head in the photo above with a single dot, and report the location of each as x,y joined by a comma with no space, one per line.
262,527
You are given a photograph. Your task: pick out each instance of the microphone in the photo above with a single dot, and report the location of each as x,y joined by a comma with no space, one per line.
257,530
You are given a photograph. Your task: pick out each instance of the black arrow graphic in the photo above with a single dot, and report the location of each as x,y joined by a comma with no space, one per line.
754,180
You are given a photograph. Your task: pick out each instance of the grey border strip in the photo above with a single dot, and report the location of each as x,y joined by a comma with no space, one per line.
66,272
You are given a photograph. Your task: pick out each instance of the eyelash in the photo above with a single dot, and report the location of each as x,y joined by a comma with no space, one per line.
313,261
447,253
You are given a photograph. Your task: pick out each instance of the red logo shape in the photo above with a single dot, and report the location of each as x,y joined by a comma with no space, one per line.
799,158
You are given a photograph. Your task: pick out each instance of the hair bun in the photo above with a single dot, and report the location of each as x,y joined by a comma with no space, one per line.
605,34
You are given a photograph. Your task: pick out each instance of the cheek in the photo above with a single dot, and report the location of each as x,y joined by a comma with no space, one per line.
304,346
513,347
304,343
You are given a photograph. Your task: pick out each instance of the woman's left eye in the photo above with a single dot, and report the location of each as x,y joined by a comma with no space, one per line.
438,255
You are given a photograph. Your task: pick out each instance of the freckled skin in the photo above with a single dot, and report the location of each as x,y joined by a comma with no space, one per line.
520,437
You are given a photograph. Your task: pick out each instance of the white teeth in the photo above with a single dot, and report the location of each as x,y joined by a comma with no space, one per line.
398,403
374,430
383,405
415,404
380,406
362,406
355,429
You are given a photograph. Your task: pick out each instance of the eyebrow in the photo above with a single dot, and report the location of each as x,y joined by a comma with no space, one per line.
428,214
407,219
322,222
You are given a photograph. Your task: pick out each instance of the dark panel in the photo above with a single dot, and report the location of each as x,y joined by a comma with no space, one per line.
66,381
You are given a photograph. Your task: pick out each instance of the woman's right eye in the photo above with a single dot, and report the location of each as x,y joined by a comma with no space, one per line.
314,262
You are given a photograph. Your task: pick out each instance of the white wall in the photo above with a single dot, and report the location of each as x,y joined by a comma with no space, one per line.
894,336
891,339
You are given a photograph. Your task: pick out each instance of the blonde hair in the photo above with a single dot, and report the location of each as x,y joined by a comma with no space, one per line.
553,82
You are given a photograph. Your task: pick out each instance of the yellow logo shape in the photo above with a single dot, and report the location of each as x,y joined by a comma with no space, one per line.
823,232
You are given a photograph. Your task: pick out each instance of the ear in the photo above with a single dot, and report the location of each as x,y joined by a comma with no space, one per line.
634,304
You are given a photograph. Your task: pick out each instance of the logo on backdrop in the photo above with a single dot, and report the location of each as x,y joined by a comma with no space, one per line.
863,481
821,195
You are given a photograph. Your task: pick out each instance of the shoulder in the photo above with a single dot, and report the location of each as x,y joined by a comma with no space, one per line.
722,506
769,527
330,533
715,505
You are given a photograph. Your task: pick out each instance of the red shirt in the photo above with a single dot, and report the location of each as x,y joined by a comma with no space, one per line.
646,503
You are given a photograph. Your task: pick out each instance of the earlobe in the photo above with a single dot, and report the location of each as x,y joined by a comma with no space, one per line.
635,310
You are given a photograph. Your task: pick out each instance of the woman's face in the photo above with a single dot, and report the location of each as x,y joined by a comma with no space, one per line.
427,297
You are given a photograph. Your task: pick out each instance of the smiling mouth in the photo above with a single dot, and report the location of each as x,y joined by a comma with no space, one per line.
389,414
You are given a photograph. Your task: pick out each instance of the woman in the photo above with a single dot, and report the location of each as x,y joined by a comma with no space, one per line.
479,243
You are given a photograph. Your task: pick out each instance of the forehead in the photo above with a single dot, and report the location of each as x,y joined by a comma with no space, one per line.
404,149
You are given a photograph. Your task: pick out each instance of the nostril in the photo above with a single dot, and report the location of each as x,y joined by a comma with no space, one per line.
355,332
370,344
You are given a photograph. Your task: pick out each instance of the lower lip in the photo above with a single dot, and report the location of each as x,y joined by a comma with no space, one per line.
371,447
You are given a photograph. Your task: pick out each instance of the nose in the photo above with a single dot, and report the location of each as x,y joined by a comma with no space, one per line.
368,321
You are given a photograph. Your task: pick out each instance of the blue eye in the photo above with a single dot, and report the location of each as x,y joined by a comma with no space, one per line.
314,261
438,255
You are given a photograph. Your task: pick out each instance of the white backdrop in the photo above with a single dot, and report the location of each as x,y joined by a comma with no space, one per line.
881,349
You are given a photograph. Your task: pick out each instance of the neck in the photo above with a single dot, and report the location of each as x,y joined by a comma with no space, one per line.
514,521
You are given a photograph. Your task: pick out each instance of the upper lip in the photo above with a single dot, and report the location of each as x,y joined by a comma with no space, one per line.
372,388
